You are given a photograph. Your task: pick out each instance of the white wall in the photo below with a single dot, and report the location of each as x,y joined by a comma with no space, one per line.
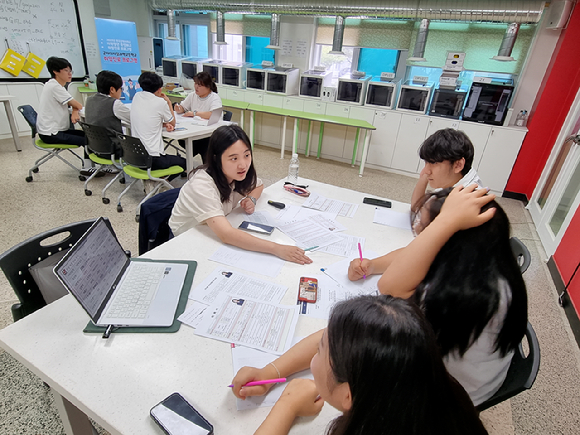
299,31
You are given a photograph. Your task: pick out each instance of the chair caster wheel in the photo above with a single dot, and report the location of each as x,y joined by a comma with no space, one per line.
82,178
35,170
88,192
122,181
106,200
119,208
28,179
137,218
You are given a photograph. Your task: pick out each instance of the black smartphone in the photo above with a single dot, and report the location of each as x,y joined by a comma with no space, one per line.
379,202
176,416
256,227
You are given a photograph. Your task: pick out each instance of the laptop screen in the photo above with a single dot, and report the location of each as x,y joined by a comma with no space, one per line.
92,267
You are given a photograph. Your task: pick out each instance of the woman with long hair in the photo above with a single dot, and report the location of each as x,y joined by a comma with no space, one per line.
216,188
378,363
467,282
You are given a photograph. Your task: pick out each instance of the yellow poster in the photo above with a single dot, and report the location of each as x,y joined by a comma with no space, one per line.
33,65
12,62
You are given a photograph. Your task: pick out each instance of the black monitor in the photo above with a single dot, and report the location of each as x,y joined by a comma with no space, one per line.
380,95
169,68
230,76
311,86
189,69
414,99
255,79
213,71
447,103
277,82
349,91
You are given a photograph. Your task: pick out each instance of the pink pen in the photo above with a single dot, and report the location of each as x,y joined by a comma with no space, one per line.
265,381
361,258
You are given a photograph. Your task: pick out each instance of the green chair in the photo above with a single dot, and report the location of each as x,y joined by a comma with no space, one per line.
102,151
137,164
52,150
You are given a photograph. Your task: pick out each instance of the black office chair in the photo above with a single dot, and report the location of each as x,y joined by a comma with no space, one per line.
103,152
521,373
17,261
521,253
137,164
51,150
154,220
227,115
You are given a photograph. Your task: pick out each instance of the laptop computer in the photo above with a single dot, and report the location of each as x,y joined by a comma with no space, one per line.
114,290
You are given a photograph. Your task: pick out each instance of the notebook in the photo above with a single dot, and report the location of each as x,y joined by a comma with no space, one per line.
112,289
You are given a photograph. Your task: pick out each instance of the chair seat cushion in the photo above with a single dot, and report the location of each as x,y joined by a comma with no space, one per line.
42,144
141,174
100,160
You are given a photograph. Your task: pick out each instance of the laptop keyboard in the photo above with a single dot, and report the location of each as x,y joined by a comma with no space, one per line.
138,291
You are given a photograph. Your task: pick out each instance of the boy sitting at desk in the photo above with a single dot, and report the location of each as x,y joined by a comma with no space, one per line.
448,156
151,110
53,122
105,108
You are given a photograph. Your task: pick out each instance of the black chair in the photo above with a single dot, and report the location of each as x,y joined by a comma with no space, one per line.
103,152
137,164
154,220
227,115
17,261
51,150
521,253
521,373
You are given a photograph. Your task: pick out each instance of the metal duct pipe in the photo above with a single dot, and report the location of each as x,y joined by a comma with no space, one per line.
275,33
221,31
171,24
421,42
507,44
498,11
338,36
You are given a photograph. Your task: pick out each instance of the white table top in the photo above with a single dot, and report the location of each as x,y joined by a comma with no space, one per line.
191,131
117,381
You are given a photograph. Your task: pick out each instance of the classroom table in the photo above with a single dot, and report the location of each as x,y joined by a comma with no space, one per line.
10,115
116,381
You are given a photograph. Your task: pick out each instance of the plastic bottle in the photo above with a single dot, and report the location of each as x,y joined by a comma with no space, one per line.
520,119
293,169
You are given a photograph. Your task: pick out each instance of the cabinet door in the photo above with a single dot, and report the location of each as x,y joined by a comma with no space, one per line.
273,100
336,109
313,106
412,131
384,138
293,103
478,134
254,97
235,94
501,151
362,114
436,124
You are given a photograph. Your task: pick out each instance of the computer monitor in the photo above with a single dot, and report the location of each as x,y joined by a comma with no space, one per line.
189,68
414,97
172,67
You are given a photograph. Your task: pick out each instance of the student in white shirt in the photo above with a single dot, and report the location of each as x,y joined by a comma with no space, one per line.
53,121
448,156
228,179
151,110
200,103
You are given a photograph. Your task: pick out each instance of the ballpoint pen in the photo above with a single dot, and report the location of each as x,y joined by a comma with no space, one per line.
361,258
265,381
311,248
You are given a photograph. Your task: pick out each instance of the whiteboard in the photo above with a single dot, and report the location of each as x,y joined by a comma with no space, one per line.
46,28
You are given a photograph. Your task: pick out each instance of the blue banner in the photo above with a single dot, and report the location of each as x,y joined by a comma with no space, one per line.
119,50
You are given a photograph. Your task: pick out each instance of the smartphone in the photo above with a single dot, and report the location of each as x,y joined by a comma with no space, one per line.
308,289
176,416
256,227
379,202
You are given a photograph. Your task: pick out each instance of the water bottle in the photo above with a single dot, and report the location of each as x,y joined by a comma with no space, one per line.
293,169
520,119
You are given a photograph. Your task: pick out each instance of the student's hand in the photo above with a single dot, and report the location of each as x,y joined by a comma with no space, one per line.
75,117
292,253
189,113
178,108
462,208
248,205
357,269
250,374
301,397
168,126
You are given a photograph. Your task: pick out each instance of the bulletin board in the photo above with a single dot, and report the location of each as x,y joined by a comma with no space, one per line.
45,28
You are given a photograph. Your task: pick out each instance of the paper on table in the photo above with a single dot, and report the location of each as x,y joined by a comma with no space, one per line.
319,202
236,283
329,293
339,271
244,356
261,217
307,234
330,224
385,216
296,213
255,324
347,247
193,314
258,262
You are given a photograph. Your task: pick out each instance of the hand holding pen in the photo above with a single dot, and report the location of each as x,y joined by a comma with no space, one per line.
358,269
245,375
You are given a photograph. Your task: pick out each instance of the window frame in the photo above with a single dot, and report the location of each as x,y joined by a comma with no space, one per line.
186,19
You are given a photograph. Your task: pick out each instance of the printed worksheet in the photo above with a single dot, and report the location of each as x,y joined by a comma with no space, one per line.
246,322
385,216
244,356
319,202
193,315
296,213
339,272
347,247
261,217
257,262
308,234
236,283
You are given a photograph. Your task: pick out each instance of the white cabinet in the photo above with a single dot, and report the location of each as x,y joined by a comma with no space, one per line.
362,114
478,134
314,106
436,124
411,134
234,94
293,103
273,100
501,151
384,138
254,97
335,109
